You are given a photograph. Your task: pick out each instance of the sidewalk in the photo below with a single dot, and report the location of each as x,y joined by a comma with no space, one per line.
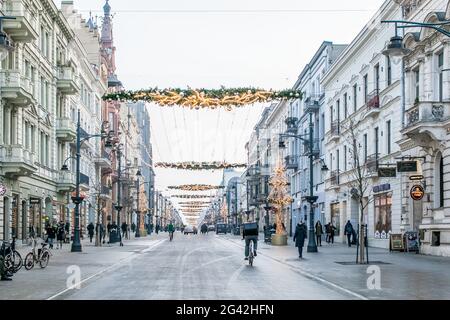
403,275
43,283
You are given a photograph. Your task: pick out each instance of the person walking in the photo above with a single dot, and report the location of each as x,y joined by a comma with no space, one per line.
348,231
319,231
60,235
299,237
51,234
332,232
109,228
90,229
124,228
133,227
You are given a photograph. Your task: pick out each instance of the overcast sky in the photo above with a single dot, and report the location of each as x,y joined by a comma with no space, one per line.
209,43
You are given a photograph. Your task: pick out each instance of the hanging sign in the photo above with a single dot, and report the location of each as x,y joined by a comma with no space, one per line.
417,192
407,166
2,189
387,172
416,177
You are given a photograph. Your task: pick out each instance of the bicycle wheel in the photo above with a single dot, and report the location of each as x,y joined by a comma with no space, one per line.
17,261
29,261
43,262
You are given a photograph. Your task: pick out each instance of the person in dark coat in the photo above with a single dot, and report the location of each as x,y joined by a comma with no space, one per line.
348,231
327,231
319,231
60,235
299,237
90,229
51,235
124,228
332,232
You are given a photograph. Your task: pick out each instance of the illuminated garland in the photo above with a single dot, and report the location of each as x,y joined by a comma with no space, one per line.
195,187
194,207
199,165
191,196
204,98
194,203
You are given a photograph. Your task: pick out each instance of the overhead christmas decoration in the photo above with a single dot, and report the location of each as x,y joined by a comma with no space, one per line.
279,196
199,165
191,196
194,203
194,207
195,187
204,98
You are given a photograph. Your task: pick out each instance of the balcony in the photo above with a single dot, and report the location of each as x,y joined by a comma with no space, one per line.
103,161
16,161
24,27
105,192
312,103
427,121
335,131
65,129
16,88
373,104
291,162
315,149
66,182
84,182
372,165
67,81
334,179
292,125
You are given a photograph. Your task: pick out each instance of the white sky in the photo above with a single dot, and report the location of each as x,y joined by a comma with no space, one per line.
209,43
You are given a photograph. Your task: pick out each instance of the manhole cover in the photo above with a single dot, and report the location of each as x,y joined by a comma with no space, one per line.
352,263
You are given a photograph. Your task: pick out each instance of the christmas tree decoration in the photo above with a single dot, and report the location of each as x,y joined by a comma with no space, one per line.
195,187
199,165
279,196
204,98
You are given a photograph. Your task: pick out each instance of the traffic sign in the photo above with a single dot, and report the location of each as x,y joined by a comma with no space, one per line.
417,192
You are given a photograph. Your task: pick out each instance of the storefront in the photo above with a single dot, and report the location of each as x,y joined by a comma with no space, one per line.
35,222
383,215
336,217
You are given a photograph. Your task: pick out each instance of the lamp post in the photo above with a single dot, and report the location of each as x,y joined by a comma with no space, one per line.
138,212
77,199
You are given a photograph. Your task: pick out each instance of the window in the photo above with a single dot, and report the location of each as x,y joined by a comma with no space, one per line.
42,39
338,166
355,97
389,71
376,131
376,71
345,158
388,137
331,115
345,106
338,110
323,126
366,88
365,147
416,85
33,139
383,215
439,180
441,76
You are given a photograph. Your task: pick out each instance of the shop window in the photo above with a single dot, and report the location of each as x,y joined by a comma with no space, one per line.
436,239
336,217
383,215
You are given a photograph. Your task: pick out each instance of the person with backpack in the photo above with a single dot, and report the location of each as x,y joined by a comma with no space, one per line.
348,231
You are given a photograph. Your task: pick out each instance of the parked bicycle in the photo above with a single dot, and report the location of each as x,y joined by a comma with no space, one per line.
13,259
42,256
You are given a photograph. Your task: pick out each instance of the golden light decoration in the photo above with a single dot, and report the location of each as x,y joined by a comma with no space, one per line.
191,165
204,98
195,187
191,196
194,202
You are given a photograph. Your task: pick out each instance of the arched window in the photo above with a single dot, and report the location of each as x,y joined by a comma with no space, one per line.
439,181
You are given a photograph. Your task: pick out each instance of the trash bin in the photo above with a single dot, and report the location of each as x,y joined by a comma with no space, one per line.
113,236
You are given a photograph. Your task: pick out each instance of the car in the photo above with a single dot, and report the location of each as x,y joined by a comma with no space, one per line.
221,228
211,228
188,230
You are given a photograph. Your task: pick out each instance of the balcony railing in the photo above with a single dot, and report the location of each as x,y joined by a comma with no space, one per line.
291,162
372,163
335,130
312,103
373,100
428,112
65,129
16,88
24,27
334,178
67,81
17,161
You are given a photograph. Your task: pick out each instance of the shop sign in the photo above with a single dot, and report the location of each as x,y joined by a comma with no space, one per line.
35,200
381,188
416,177
397,242
3,189
407,166
387,172
417,192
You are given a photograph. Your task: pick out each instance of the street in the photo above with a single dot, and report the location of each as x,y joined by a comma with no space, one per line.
211,267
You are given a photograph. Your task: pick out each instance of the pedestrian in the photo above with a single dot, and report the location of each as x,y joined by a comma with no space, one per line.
51,234
5,275
102,232
90,229
332,232
299,237
60,235
319,231
133,227
348,231
124,228
67,230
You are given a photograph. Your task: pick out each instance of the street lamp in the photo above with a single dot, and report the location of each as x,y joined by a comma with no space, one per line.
6,44
77,199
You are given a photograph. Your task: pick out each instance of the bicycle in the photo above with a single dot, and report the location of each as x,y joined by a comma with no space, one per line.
13,259
42,257
251,255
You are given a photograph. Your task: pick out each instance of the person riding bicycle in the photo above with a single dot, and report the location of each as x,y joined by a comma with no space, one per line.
250,233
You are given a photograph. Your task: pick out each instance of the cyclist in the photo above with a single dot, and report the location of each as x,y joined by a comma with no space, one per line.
250,233
170,229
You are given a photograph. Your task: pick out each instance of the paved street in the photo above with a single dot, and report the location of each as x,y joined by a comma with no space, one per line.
212,267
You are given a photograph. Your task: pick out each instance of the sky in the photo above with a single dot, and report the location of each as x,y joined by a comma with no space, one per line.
213,43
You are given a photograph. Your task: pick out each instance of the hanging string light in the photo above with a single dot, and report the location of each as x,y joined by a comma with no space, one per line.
191,165
191,196
195,187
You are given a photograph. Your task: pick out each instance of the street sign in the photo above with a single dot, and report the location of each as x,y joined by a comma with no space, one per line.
416,177
387,172
407,166
417,192
2,189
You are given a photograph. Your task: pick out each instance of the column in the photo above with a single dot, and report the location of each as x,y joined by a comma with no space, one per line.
7,122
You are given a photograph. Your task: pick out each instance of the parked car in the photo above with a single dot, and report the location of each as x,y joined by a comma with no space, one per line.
188,229
211,228
221,228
